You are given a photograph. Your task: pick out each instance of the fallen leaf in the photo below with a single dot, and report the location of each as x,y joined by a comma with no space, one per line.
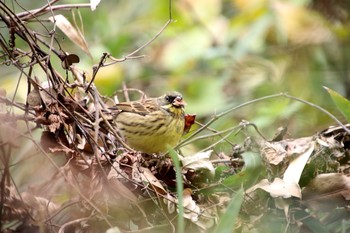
274,152
330,184
278,188
296,166
327,192
191,209
148,178
198,162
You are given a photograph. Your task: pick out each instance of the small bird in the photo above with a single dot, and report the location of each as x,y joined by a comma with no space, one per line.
152,125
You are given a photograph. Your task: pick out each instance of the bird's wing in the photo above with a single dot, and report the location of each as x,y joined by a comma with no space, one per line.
143,107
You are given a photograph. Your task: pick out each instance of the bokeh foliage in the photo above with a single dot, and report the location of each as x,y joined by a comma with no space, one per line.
222,53
219,54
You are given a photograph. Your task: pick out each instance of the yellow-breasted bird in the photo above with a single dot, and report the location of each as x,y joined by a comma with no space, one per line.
152,125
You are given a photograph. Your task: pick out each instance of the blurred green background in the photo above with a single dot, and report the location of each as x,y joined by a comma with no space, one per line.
222,53
217,53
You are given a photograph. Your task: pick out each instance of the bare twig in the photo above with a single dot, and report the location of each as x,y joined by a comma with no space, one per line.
49,8
75,221
131,55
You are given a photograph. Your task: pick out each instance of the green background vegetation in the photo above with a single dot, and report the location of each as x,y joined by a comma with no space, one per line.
219,54
223,53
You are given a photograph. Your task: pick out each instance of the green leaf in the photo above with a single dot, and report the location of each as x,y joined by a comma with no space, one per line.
341,102
228,221
179,191
250,173
219,171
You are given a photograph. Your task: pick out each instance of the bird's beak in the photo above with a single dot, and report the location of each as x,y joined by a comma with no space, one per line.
179,102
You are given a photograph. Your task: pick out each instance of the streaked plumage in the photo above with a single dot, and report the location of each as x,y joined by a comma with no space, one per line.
151,125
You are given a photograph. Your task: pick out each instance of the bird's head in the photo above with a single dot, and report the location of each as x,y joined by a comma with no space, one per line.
173,103
175,99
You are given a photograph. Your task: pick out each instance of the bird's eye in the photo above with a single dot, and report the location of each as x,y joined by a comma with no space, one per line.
167,98
170,98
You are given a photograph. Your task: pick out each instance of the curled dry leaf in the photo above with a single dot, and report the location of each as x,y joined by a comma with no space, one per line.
170,201
55,122
334,130
279,134
336,139
69,60
189,121
191,209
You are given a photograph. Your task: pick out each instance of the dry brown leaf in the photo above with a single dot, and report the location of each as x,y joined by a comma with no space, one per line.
328,184
327,192
51,144
191,210
274,152
73,34
148,177
299,145
69,60
189,121
283,151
